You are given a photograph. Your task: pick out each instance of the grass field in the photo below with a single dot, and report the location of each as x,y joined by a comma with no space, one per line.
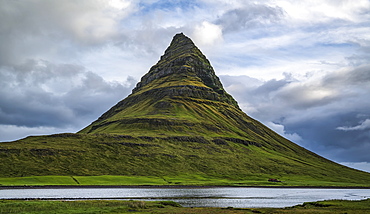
108,159
113,206
185,180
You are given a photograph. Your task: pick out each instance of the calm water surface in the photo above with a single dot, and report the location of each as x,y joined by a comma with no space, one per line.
196,197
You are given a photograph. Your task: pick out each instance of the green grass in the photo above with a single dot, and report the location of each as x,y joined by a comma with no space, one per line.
92,206
331,206
37,180
185,180
81,180
113,206
108,159
120,180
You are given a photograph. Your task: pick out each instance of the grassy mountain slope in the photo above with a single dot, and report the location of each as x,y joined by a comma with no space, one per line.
178,124
175,157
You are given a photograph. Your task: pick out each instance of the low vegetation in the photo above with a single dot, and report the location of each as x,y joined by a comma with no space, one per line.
108,159
114,206
180,180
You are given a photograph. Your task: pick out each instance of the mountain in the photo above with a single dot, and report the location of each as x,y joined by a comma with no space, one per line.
180,94
179,123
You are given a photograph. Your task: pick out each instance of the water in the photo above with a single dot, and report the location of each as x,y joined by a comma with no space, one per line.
240,197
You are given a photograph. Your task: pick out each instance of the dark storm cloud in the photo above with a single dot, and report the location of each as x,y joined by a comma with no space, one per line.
330,115
40,93
321,135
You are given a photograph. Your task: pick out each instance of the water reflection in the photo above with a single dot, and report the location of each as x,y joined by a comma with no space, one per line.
196,197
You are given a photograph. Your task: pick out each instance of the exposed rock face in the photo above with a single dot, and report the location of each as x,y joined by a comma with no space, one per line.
183,57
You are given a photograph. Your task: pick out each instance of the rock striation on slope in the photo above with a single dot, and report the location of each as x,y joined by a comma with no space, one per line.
182,74
182,78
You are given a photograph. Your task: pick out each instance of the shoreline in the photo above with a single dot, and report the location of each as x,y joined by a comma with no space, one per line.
169,187
94,206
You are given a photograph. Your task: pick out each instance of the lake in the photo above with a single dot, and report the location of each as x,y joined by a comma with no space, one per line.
239,197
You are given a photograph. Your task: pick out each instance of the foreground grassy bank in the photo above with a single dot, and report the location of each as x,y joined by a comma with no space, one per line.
185,180
101,206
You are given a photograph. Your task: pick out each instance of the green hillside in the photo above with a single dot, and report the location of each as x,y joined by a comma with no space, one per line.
179,126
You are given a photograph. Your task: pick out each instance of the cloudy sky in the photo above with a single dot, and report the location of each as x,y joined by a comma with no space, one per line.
300,67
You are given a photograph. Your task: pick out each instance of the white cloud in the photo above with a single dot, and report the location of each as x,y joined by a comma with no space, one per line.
314,11
307,94
364,125
56,30
364,166
249,16
207,34
13,132
120,4
294,137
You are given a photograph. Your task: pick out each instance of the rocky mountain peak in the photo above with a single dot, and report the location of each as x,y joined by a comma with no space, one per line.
183,57
182,76
180,45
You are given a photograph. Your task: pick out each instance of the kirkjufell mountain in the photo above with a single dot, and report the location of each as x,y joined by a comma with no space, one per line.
178,122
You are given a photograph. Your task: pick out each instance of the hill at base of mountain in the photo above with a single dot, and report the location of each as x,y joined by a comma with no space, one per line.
179,122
